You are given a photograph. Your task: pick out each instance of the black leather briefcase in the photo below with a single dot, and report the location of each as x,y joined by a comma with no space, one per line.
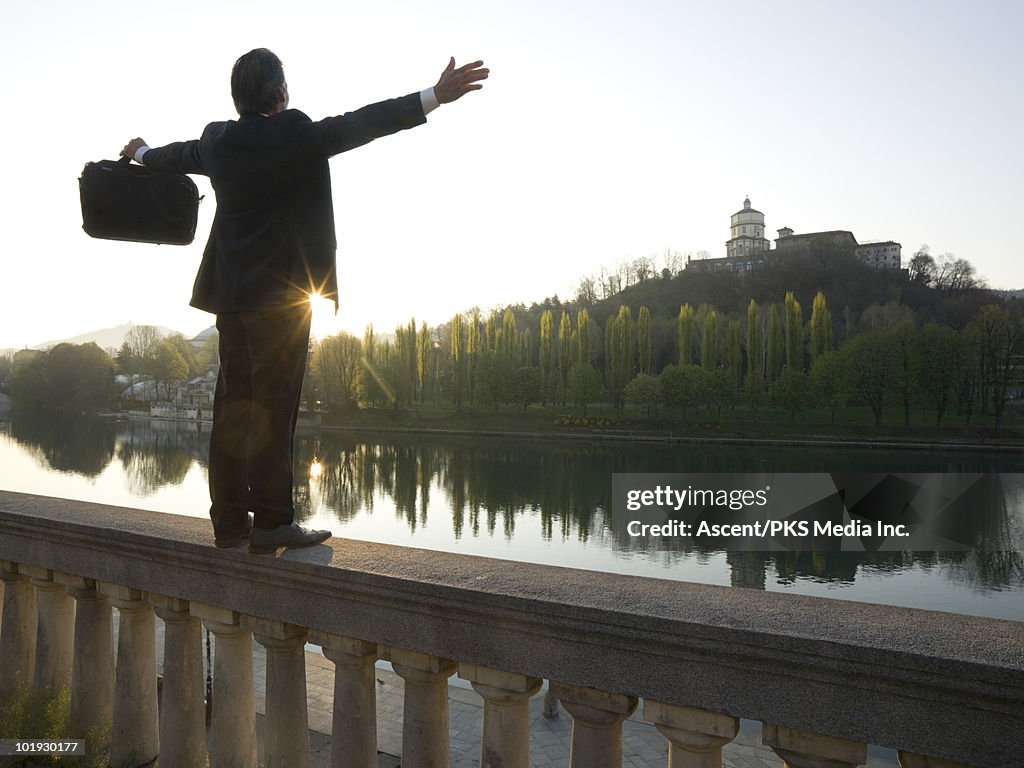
121,201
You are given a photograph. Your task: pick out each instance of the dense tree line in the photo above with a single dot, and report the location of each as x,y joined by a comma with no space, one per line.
711,361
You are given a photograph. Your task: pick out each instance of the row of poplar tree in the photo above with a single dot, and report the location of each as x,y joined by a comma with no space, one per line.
774,358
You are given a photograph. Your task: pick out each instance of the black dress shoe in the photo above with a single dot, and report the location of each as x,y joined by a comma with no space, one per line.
227,542
267,541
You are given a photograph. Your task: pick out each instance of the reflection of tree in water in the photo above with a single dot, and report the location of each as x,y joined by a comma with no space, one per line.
65,443
983,571
157,454
491,484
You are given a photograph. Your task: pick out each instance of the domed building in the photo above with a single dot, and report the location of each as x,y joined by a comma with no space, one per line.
747,240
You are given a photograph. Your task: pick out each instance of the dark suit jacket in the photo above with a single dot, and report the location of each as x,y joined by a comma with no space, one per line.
272,240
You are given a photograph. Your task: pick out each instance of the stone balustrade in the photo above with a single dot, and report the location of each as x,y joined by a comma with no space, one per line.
825,677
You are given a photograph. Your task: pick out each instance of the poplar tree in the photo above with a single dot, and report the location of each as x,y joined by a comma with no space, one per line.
734,352
583,336
473,350
619,354
776,346
821,327
564,353
509,335
685,334
709,346
547,353
424,348
794,333
455,328
645,345
755,348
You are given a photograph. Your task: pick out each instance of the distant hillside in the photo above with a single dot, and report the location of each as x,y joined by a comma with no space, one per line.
106,338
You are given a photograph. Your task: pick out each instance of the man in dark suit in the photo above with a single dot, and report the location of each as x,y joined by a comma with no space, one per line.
272,246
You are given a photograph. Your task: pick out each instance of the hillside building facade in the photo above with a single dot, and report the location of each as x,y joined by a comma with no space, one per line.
747,247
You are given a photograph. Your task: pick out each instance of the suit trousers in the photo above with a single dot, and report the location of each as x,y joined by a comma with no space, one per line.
256,404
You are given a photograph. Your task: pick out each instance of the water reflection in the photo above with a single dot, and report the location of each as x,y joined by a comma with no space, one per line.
490,487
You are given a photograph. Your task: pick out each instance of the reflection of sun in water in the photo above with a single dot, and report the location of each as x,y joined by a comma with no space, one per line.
325,322
315,469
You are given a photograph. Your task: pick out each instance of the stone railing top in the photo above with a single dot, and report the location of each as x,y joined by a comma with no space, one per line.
935,683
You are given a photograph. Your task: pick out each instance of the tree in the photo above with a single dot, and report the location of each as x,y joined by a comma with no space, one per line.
583,336
339,360
456,355
904,379
954,275
525,386
474,348
999,339
709,344
584,385
565,360
791,391
70,378
685,334
682,386
794,333
644,390
645,346
755,349
619,354
547,354
821,327
734,353
494,379
829,382
168,365
776,346
935,353
869,362
921,269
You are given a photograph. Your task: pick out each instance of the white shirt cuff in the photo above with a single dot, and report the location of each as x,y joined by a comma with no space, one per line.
139,153
429,101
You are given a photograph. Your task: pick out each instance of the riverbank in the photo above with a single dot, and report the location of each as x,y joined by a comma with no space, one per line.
550,423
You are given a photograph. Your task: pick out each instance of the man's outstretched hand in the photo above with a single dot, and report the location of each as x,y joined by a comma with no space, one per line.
456,83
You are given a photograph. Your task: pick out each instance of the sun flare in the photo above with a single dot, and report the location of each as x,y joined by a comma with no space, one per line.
324,322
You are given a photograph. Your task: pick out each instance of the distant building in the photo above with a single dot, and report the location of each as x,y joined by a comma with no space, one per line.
747,248
789,244
747,239
887,255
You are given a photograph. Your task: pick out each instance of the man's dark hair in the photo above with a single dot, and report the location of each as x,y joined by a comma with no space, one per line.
254,79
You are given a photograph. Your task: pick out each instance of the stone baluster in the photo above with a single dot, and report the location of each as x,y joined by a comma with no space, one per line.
286,725
182,706
354,729
135,734
695,736
92,670
597,719
804,749
233,727
18,629
55,631
912,760
425,708
506,729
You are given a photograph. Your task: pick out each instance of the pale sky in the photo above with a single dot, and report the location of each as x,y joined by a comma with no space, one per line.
607,131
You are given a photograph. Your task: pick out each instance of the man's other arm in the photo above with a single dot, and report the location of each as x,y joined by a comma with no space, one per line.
353,129
180,156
